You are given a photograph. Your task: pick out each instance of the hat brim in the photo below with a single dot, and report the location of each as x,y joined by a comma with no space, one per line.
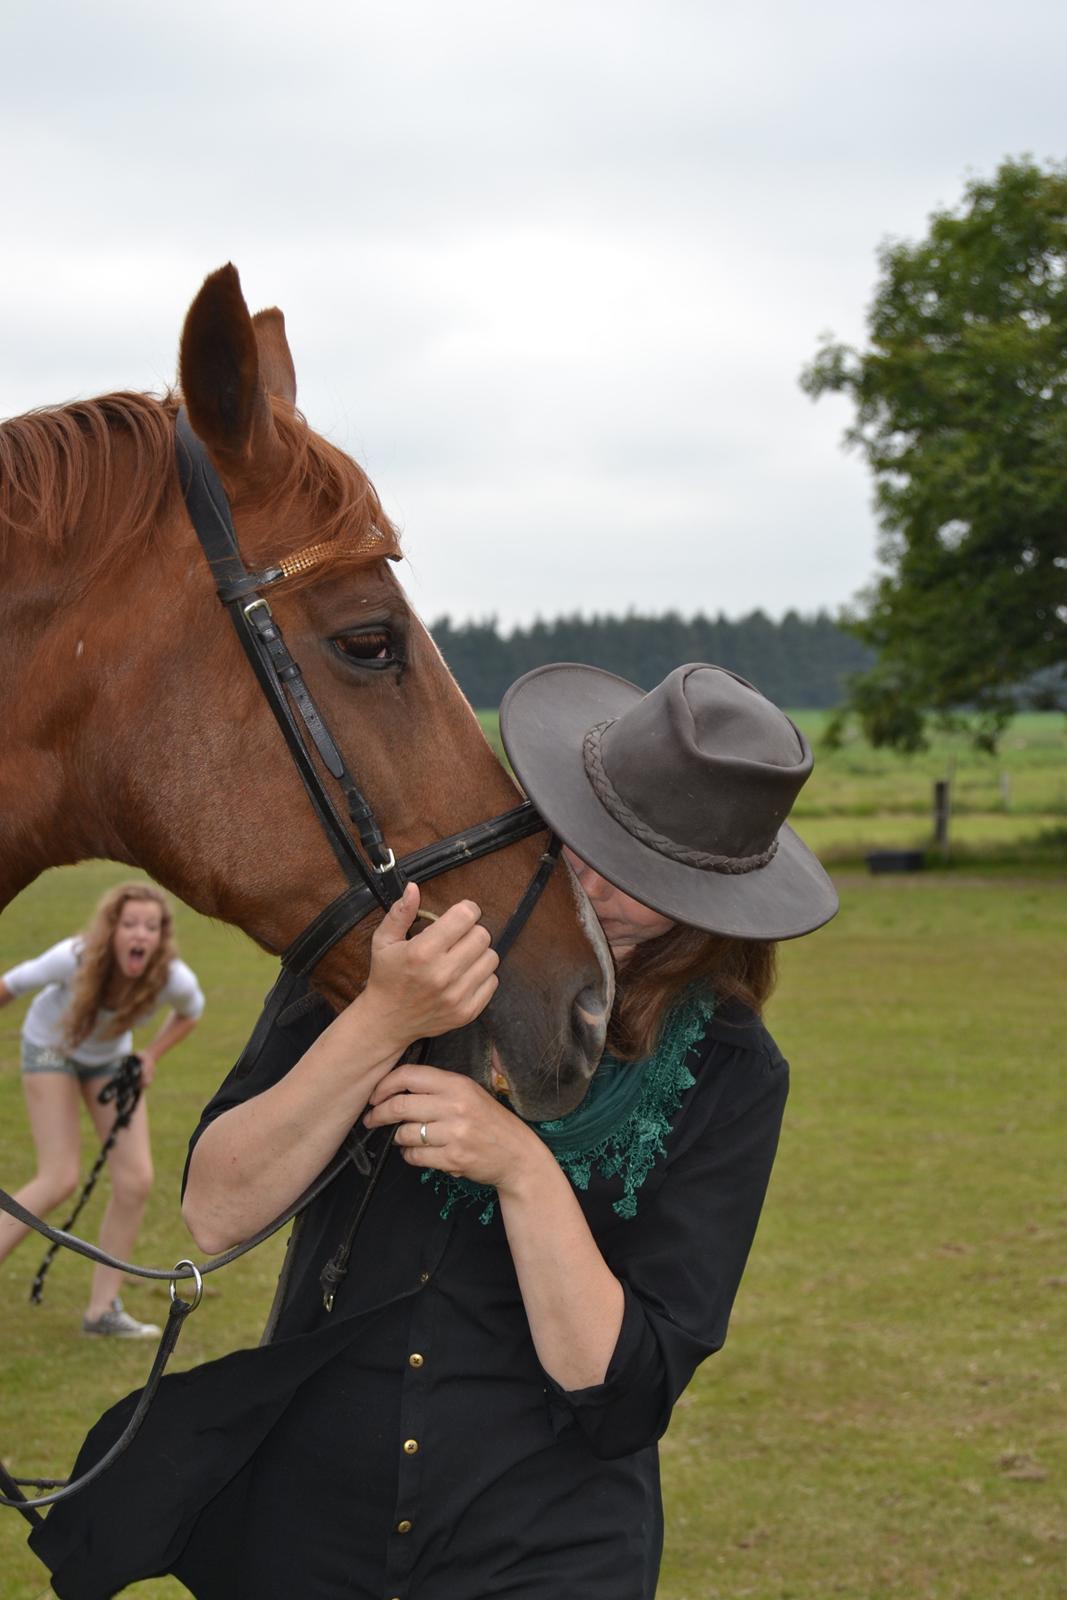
544,718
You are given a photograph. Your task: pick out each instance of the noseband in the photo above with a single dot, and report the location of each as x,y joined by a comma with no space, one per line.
375,877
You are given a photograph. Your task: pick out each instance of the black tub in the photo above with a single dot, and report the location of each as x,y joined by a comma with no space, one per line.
896,860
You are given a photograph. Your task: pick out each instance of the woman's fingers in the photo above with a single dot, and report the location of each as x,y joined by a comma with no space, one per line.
412,1078
449,929
451,950
402,1108
443,978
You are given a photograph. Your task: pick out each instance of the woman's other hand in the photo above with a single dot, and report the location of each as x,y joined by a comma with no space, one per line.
428,985
148,1067
468,1132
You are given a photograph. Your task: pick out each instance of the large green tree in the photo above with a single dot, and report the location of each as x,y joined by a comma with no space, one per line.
961,412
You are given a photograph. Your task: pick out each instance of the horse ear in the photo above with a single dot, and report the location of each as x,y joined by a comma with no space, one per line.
276,370
219,371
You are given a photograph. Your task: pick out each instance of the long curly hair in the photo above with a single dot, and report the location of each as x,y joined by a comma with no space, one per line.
96,967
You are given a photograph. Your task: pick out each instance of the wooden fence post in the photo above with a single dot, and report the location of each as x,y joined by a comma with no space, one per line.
941,813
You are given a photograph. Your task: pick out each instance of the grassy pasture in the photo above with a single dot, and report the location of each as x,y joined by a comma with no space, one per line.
888,1420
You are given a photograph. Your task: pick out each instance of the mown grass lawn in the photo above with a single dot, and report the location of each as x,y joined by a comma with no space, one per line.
888,1418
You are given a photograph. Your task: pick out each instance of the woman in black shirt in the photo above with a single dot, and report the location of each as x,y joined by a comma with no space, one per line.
478,1414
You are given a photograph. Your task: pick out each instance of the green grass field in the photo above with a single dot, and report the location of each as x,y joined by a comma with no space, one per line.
888,1420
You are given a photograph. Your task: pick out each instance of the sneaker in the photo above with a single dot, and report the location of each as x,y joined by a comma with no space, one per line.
119,1324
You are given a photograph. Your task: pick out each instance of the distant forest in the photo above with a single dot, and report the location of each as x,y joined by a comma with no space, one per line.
797,662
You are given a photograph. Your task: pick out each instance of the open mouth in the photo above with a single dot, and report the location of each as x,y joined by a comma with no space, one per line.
136,956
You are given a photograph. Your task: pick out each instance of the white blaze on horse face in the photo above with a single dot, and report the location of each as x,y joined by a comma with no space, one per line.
594,932
137,936
625,921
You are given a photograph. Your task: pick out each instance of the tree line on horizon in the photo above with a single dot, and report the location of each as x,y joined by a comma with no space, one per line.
798,662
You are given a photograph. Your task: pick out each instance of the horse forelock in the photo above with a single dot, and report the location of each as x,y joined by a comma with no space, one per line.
349,527
95,479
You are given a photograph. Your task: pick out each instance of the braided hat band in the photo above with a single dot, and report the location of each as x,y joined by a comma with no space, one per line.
627,818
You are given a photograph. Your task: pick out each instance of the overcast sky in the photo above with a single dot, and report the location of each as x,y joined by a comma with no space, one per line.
550,270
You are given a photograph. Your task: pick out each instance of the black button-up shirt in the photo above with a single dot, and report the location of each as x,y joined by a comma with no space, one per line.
408,1445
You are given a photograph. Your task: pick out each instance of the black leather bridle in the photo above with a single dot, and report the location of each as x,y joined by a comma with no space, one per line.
375,877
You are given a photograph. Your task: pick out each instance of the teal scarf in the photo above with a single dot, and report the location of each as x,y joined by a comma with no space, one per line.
620,1128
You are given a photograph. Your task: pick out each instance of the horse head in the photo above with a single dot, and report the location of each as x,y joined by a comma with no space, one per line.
139,732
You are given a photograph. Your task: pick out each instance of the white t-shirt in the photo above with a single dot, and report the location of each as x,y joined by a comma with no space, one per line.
53,973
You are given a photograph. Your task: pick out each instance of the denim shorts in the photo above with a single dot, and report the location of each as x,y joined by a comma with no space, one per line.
38,1058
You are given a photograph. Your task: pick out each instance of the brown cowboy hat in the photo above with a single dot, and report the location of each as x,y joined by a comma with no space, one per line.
678,797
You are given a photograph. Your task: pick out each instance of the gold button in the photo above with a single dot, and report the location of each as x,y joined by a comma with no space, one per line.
403,1527
424,1277
411,1446
415,1360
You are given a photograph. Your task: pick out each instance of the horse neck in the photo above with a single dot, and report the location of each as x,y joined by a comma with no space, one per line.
57,804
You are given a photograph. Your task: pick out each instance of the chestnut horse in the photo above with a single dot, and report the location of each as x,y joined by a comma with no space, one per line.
135,730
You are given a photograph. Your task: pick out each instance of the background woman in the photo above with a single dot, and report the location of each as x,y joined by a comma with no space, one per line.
95,988
478,1414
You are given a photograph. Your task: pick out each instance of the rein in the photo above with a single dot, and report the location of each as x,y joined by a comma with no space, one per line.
375,880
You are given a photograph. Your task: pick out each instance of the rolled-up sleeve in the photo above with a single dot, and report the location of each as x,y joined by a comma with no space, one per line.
183,992
680,1261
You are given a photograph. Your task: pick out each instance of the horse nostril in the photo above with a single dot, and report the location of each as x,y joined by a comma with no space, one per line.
589,1005
590,1022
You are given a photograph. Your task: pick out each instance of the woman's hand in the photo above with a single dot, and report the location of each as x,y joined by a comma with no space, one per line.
468,1132
148,1066
429,985
574,1302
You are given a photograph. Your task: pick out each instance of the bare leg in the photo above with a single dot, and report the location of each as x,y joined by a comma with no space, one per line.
52,1103
130,1166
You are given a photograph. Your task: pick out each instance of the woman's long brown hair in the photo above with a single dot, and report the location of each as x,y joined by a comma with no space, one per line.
661,970
96,967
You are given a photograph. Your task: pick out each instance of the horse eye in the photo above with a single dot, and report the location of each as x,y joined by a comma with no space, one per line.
373,647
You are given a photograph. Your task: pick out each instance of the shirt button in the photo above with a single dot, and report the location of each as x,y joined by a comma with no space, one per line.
403,1527
415,1360
411,1446
424,1277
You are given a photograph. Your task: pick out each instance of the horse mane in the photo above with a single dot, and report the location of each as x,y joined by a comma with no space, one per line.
58,462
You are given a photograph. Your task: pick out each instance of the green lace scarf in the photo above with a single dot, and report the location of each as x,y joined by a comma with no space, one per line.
620,1129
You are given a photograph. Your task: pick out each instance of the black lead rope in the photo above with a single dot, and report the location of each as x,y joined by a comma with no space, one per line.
352,1150
124,1087
336,1268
